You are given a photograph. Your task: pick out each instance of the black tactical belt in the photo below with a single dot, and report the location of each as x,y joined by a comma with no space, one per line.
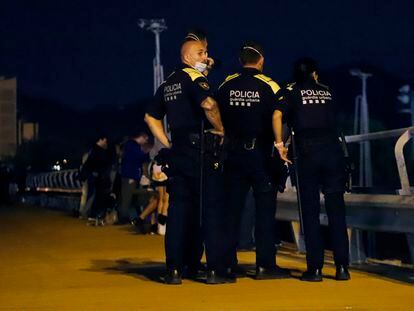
189,139
244,143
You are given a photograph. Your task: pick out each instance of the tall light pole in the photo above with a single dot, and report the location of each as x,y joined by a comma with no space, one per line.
156,26
361,126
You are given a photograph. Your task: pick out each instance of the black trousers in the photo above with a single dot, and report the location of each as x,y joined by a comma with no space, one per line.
321,166
245,169
102,198
188,225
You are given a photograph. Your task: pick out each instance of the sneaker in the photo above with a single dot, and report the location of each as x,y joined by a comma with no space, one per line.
161,229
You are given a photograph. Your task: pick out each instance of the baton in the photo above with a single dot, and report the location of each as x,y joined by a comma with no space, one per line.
349,164
295,165
201,171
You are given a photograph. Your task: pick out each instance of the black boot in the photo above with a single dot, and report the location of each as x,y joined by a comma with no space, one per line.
194,272
342,273
312,275
275,272
213,277
140,225
173,277
236,271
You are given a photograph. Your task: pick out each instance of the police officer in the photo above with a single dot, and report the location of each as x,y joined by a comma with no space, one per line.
308,107
185,98
200,35
247,101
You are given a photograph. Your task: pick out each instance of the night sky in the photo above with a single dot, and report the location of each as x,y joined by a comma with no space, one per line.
87,53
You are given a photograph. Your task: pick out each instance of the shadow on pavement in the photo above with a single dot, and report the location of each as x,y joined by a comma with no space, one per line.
154,271
144,270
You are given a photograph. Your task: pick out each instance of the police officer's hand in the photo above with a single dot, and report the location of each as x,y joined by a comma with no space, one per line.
210,63
283,151
218,133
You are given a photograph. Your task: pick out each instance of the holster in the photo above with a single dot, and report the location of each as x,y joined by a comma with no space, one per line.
215,151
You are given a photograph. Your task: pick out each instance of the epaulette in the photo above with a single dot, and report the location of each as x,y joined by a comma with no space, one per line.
290,86
275,87
228,78
194,74
323,85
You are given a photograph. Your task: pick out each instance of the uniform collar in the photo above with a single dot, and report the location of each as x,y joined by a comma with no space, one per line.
182,66
251,71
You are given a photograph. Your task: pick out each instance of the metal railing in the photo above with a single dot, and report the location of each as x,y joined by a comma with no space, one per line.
404,134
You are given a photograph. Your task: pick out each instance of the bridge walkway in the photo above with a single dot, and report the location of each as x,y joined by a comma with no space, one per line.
50,261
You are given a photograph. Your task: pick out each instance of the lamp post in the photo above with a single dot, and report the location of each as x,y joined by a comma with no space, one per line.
361,126
156,26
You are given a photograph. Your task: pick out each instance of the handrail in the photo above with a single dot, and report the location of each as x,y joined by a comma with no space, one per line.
402,168
377,135
404,134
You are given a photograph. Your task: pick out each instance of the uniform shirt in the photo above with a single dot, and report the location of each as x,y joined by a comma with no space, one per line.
132,159
180,97
307,107
247,101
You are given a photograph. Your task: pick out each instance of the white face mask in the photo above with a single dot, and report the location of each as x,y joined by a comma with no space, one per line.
201,67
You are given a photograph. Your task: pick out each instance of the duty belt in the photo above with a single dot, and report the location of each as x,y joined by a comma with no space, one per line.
244,143
187,139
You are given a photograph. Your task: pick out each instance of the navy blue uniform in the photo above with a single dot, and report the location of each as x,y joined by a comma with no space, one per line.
247,102
308,109
179,98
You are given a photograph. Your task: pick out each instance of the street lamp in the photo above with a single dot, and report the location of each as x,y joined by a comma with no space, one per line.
361,126
156,26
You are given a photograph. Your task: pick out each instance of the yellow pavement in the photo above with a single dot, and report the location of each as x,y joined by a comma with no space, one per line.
50,261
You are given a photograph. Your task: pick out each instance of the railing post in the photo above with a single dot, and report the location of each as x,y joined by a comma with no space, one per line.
357,253
402,169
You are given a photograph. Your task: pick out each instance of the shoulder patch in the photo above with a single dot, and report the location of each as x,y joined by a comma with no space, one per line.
275,87
204,85
228,78
290,86
194,74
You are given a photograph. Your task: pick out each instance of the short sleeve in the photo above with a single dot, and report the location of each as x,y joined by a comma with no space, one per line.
281,101
200,89
156,109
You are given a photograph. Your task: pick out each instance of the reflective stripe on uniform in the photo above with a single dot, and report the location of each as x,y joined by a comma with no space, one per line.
275,87
230,77
194,74
290,86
